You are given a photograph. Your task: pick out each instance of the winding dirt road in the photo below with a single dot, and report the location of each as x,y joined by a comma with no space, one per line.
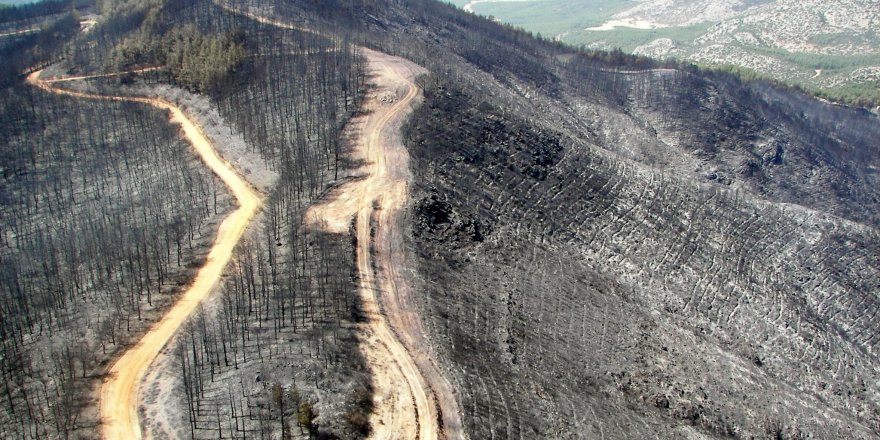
119,393
403,408
413,399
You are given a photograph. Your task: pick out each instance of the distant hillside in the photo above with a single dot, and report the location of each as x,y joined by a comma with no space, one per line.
16,2
832,47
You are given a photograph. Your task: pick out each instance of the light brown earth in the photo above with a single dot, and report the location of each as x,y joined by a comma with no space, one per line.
119,393
413,399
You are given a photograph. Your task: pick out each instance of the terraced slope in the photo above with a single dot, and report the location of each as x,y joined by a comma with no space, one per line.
608,250
585,295
605,247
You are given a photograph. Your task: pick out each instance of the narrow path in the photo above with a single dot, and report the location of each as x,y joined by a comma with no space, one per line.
98,75
266,20
119,393
20,32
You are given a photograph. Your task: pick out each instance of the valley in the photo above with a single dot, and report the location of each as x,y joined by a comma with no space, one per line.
781,40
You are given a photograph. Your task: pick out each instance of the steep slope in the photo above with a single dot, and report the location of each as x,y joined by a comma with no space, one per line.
599,245
610,249
119,394
93,243
304,310
620,300
413,399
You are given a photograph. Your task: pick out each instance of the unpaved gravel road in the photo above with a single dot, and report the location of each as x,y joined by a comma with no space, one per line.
119,393
413,399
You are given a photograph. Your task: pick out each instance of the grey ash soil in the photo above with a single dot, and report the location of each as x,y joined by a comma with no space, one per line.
595,288
598,247
602,248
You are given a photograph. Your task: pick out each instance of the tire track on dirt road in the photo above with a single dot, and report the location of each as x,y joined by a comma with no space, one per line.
119,392
413,399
